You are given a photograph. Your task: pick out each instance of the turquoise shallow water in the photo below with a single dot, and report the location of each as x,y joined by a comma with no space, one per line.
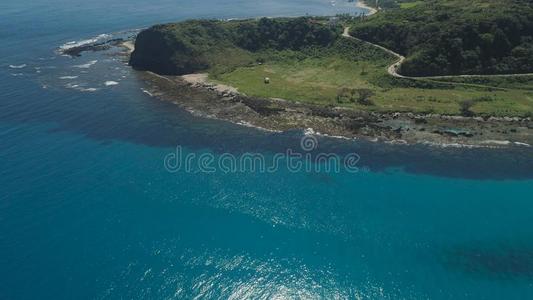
88,210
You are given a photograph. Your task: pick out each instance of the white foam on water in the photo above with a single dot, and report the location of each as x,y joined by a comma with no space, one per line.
250,125
147,92
522,144
68,77
71,86
110,83
496,142
18,66
80,88
338,137
74,44
309,131
453,145
87,65
397,142
88,90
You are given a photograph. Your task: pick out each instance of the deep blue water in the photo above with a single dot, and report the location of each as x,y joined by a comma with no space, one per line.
88,210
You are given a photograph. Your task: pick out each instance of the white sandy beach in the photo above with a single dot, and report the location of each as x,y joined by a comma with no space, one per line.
202,79
363,5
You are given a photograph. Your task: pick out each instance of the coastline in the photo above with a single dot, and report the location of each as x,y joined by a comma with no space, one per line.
196,94
363,5
129,46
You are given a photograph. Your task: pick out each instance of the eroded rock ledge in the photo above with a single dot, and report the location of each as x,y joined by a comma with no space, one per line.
225,103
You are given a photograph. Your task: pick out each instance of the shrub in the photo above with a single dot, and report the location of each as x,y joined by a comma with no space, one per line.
465,108
364,96
341,94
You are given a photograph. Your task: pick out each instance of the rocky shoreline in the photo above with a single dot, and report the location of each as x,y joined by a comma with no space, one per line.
222,102
197,95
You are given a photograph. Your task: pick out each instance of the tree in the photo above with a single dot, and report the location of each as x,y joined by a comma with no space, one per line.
364,96
465,108
364,67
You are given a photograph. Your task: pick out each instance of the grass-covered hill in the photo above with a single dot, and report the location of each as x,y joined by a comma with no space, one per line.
446,37
308,60
198,45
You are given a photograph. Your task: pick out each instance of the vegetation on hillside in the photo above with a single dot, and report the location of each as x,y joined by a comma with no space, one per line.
307,60
389,4
197,45
446,37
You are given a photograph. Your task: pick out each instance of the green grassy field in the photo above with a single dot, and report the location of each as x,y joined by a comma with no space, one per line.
407,5
524,82
319,79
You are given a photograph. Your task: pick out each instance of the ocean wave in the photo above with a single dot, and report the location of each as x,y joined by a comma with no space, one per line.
72,86
312,132
452,145
250,125
522,144
147,92
87,65
80,88
309,131
110,83
496,142
74,44
88,89
486,144
68,77
18,66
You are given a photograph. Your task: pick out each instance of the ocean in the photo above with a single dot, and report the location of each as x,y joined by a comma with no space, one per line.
89,208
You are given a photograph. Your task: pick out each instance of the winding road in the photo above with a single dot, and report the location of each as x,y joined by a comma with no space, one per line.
393,69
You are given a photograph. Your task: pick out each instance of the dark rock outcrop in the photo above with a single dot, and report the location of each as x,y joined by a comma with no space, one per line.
155,51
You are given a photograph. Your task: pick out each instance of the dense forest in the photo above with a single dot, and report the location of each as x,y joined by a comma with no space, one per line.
191,46
446,37
387,4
